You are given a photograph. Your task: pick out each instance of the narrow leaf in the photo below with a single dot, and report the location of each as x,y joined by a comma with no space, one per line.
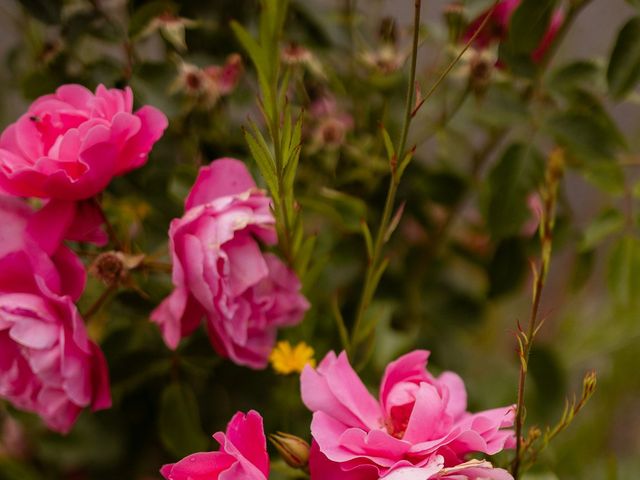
623,72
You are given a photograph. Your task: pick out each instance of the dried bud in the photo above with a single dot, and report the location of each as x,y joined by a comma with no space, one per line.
295,54
481,70
456,22
294,450
113,267
388,31
108,267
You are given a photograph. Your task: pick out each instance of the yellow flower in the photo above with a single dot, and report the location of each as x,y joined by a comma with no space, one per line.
286,360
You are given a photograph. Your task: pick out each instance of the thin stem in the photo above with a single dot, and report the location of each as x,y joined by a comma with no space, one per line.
554,173
376,260
102,299
455,61
411,86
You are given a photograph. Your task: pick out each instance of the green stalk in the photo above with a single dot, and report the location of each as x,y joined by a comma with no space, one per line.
376,262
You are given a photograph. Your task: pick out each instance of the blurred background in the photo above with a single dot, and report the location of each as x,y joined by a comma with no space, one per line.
459,279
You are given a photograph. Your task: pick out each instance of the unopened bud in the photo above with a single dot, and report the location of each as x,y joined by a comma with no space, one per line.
388,31
481,70
456,21
294,450
589,383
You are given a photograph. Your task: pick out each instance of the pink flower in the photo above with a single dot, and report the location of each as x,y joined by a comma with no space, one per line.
417,429
70,144
243,454
497,28
31,243
220,273
331,125
47,363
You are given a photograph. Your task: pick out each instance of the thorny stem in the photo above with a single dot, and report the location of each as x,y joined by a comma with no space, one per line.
555,170
376,261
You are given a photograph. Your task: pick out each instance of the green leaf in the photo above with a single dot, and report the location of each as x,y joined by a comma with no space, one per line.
527,26
624,271
260,60
607,176
47,11
339,319
261,154
346,210
609,222
582,269
179,422
508,267
14,470
388,144
585,135
624,65
577,74
511,181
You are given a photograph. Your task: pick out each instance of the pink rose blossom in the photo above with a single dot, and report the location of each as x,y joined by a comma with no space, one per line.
243,454
31,243
496,29
417,429
47,363
220,273
70,144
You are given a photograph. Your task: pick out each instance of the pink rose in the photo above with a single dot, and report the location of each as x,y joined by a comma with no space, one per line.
70,144
243,454
31,243
497,28
47,363
220,272
419,425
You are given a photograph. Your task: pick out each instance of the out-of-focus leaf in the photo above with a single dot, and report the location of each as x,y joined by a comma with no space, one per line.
346,210
609,222
14,470
508,267
442,187
527,27
585,135
574,75
502,106
37,83
511,181
540,476
48,11
607,176
179,422
546,372
90,23
624,65
624,271
582,269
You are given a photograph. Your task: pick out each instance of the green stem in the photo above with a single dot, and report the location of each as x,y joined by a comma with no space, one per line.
376,260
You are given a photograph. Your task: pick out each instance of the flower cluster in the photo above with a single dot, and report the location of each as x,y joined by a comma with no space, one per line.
65,150
418,429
